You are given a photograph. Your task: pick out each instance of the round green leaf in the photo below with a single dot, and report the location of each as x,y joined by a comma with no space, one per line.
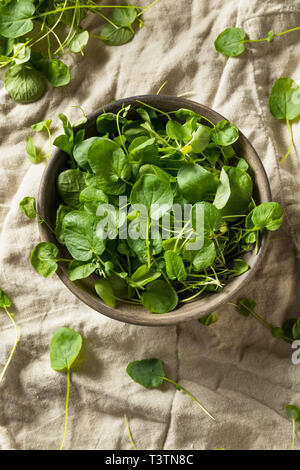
70,183
124,16
5,301
79,41
44,258
175,266
202,258
284,99
231,42
105,291
24,84
149,373
293,411
268,215
64,348
195,183
112,36
234,192
155,194
15,18
159,297
80,270
27,206
224,133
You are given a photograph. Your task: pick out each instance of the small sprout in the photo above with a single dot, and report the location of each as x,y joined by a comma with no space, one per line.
129,432
294,412
150,374
209,319
65,347
5,303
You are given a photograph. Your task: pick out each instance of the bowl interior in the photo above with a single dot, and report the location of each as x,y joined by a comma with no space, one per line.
84,290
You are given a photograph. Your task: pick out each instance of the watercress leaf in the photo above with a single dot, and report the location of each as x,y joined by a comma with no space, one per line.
24,84
183,114
277,332
268,215
224,133
91,194
155,170
201,258
175,266
293,411
234,191
41,126
143,275
5,301
200,138
282,102
205,215
15,18
44,258
80,270
195,183
56,72
112,36
27,206
31,151
22,53
64,348
80,152
68,129
209,319
245,306
63,142
242,164
124,16
61,212
152,192
240,267
144,150
107,123
296,329
79,230
79,41
70,183
149,372
105,291
159,297
231,42
175,130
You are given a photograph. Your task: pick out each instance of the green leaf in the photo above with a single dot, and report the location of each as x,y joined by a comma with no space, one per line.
79,230
105,291
15,18
240,267
155,194
41,126
31,152
44,259
79,41
246,306
175,266
5,301
195,183
143,275
112,36
80,152
80,270
283,101
293,411
55,71
224,133
160,297
124,16
70,183
21,53
61,212
24,84
296,329
91,194
205,215
144,150
176,131
209,319
268,215
201,258
234,191
231,42
159,172
27,206
200,138
149,373
63,142
64,348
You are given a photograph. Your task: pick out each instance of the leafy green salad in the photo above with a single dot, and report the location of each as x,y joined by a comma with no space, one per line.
158,206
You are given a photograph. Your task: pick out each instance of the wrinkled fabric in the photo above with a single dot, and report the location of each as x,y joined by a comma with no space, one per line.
242,374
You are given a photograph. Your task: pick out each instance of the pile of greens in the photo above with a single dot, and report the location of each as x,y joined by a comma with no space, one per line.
34,34
152,157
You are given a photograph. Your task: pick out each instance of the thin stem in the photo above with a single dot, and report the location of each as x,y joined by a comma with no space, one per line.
291,140
14,347
161,87
288,31
66,411
129,433
58,10
189,394
294,432
147,8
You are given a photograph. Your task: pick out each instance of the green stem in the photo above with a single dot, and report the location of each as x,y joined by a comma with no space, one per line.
275,35
129,433
147,8
58,10
189,394
255,315
294,432
148,244
14,347
66,411
291,140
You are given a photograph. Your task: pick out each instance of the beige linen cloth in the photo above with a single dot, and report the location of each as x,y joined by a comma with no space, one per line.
236,369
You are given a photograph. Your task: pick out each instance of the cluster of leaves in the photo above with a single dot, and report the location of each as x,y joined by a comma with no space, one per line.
231,42
28,27
289,331
5,304
154,159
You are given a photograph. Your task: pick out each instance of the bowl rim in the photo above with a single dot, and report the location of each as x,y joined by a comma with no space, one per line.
175,317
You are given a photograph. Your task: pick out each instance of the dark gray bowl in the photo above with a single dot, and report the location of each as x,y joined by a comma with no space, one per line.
47,205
